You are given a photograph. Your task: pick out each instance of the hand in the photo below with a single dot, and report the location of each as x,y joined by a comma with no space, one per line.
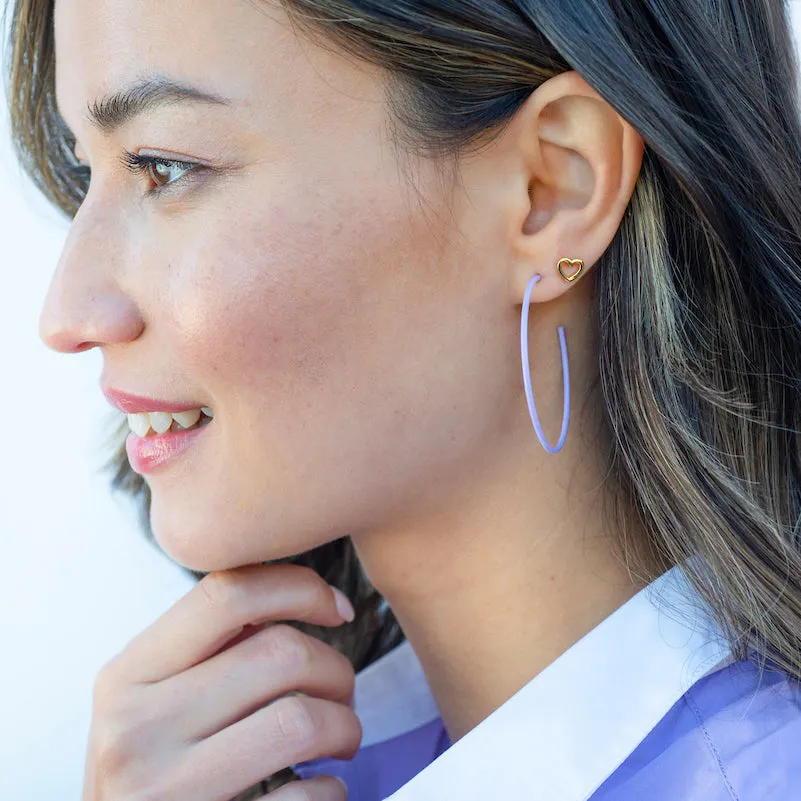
195,708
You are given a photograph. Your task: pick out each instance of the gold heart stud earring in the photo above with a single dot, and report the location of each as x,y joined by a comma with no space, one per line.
577,263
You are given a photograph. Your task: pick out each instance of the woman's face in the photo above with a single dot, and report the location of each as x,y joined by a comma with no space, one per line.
343,311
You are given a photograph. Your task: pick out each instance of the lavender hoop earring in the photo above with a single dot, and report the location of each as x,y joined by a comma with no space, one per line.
532,409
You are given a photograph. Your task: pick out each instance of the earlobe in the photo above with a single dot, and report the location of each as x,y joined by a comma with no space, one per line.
570,269
581,161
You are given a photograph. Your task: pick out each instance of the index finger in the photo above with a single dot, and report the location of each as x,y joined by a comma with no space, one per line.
218,608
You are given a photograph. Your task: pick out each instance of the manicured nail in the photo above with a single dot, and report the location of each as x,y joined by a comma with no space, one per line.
344,606
342,782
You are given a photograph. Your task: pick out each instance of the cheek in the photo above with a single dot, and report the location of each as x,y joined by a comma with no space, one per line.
291,298
342,344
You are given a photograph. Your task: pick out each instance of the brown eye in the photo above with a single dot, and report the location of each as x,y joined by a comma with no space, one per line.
163,172
160,170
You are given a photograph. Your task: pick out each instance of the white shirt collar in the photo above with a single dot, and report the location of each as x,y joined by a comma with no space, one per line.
574,723
392,696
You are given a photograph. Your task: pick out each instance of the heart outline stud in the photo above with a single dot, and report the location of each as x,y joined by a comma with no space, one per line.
579,263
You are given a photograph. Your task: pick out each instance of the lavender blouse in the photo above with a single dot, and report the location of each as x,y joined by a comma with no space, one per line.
649,706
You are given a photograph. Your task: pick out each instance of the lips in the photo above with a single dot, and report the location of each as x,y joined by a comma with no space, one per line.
155,452
147,454
132,404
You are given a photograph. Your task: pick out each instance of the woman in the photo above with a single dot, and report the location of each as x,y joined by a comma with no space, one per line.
320,241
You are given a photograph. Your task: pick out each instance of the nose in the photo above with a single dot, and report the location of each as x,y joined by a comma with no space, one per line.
85,307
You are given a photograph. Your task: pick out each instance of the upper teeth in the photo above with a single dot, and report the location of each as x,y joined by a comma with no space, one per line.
160,422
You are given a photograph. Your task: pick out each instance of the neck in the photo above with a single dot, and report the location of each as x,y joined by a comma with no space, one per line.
493,589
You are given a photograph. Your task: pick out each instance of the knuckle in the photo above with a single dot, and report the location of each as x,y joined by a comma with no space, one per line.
123,725
221,589
289,647
111,673
128,765
295,721
117,742
110,694
113,699
112,752
106,687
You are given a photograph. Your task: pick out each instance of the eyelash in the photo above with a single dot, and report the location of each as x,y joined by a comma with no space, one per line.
139,165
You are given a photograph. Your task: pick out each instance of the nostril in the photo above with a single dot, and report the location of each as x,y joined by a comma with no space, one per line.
63,340
100,319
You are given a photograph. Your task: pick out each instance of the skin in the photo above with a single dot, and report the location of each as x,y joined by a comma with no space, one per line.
352,316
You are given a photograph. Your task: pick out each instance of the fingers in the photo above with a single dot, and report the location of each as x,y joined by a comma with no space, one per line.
320,788
292,729
215,611
240,680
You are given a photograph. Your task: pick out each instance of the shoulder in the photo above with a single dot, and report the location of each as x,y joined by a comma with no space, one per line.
733,736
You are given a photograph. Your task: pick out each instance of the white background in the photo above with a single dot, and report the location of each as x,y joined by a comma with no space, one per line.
79,580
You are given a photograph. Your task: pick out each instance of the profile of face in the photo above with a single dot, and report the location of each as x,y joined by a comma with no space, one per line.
335,303
293,282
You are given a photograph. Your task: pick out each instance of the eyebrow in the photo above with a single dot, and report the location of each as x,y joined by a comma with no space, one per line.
113,111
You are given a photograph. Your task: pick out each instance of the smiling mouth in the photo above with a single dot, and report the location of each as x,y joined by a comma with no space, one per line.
153,424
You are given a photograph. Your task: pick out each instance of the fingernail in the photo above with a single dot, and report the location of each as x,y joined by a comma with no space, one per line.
344,606
342,782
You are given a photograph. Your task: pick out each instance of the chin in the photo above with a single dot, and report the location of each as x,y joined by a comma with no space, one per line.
192,542
197,543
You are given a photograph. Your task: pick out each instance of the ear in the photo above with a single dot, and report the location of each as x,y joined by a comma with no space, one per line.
578,163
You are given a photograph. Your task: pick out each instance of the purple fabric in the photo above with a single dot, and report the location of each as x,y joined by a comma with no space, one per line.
379,770
734,736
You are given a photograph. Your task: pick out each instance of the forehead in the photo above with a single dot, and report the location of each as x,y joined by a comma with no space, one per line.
246,50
